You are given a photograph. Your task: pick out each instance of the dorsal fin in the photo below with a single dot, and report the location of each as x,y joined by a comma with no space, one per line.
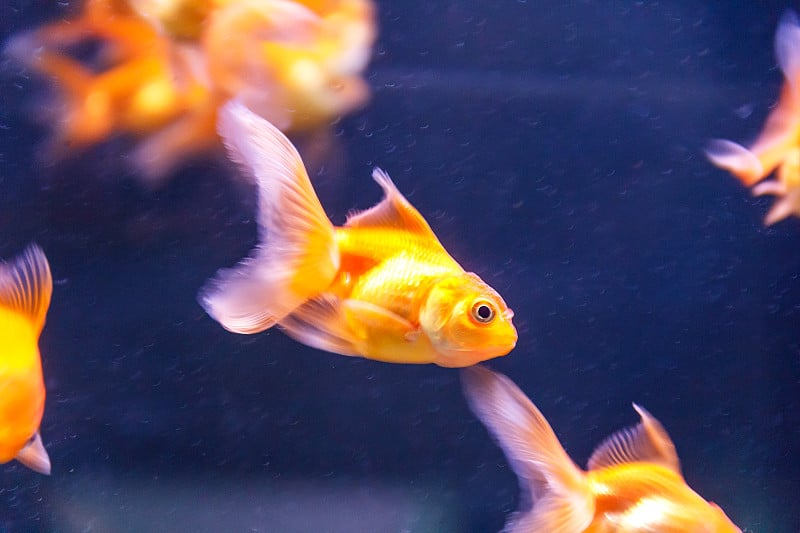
26,285
394,211
646,442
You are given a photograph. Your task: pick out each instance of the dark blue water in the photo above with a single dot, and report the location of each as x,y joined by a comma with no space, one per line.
556,149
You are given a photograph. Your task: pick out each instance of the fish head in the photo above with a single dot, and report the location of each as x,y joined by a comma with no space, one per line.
467,321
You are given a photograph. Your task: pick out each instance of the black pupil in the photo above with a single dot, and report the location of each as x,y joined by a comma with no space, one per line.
484,312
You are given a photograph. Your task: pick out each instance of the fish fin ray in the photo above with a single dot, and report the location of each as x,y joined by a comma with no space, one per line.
34,456
297,258
320,323
532,448
786,205
553,515
26,285
378,320
394,211
646,442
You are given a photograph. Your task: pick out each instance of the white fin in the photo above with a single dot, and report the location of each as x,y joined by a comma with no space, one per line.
563,499
26,285
34,456
297,258
394,211
736,159
646,442
787,48
376,320
320,323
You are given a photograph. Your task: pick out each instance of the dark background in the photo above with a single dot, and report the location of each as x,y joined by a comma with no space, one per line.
556,149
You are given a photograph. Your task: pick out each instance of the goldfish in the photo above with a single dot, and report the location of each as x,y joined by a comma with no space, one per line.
778,145
164,67
382,286
25,289
633,483
140,84
296,63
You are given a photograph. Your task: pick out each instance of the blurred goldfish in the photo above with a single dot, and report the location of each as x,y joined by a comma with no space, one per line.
165,66
25,288
633,484
295,63
141,85
778,146
381,286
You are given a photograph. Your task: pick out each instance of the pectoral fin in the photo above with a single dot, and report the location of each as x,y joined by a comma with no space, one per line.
34,456
370,320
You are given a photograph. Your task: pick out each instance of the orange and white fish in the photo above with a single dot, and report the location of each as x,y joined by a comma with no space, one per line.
778,145
633,484
382,286
25,289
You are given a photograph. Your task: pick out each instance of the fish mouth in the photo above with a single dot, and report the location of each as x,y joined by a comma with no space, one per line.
464,357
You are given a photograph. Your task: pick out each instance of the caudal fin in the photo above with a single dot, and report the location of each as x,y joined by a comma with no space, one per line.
561,499
297,257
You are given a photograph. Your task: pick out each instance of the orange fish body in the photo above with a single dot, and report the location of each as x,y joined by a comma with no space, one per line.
25,288
778,145
633,483
381,287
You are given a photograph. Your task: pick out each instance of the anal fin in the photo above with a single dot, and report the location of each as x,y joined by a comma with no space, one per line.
34,456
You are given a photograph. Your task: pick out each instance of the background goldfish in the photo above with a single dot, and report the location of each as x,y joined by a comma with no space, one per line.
25,289
778,145
163,67
382,286
633,483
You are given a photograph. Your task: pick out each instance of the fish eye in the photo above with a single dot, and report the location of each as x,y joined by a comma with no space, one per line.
482,312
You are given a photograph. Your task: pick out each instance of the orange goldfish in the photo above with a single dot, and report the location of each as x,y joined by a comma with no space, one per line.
25,288
778,146
296,63
633,483
164,67
382,286
145,86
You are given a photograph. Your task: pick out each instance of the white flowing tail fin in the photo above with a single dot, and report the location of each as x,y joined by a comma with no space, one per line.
562,501
297,257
